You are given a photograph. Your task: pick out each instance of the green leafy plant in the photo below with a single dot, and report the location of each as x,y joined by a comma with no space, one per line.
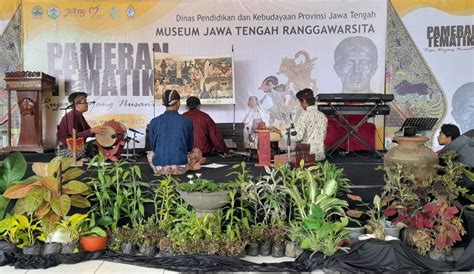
117,192
11,171
89,228
321,235
204,185
72,227
12,229
50,193
374,211
166,200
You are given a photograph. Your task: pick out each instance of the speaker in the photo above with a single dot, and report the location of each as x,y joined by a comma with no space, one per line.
409,131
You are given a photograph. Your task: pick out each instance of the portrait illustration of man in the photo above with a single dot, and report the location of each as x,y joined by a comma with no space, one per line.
463,106
355,62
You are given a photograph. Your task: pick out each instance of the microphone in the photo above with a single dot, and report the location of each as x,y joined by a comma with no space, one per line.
135,131
292,126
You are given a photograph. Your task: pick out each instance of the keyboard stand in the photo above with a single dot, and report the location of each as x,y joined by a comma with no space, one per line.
351,130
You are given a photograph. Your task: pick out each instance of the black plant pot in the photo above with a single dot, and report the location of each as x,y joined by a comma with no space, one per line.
266,249
147,250
241,254
68,248
252,249
33,249
129,249
298,250
468,215
51,248
278,250
165,253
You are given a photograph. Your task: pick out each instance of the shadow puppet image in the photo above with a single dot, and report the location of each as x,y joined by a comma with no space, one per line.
355,62
463,107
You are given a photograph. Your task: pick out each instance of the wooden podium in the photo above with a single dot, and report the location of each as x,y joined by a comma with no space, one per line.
29,86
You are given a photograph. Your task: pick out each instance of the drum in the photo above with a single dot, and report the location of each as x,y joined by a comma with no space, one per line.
115,132
111,143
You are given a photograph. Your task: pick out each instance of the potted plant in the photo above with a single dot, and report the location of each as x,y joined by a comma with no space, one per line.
205,195
438,227
253,235
278,241
51,192
150,236
21,232
320,234
377,219
70,226
50,247
11,171
92,237
128,240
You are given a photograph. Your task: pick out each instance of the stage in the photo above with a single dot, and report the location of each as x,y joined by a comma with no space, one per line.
359,167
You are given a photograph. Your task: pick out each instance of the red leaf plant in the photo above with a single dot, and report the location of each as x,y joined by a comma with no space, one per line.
437,226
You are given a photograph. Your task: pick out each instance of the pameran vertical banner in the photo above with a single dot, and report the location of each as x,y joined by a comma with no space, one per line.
443,33
279,47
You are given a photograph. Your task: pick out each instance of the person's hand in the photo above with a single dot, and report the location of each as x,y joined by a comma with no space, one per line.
99,130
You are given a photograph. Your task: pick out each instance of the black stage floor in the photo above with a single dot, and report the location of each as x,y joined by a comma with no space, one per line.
359,167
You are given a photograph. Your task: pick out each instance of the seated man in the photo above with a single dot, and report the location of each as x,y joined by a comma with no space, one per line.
171,139
312,124
75,119
463,146
206,134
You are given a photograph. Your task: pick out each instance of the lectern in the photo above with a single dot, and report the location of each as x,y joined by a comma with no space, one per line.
29,86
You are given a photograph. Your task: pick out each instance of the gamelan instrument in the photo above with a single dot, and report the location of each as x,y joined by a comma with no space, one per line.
111,143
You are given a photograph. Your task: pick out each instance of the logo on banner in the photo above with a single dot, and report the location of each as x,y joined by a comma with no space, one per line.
93,11
37,11
54,12
114,13
74,12
131,11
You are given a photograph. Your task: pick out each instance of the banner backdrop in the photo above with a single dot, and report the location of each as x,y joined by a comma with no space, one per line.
280,46
443,32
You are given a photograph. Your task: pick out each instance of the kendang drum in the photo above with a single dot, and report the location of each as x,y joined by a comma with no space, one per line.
111,143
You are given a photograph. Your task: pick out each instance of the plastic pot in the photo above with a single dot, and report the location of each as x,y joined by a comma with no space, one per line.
34,250
252,249
266,249
290,249
392,231
147,250
278,250
354,233
68,248
51,248
129,249
92,244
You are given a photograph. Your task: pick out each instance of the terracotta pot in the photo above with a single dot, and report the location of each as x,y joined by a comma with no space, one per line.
412,153
92,244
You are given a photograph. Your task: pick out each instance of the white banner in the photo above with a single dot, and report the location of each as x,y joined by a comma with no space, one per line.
106,49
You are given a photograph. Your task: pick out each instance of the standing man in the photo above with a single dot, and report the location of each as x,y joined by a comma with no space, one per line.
311,126
171,138
207,137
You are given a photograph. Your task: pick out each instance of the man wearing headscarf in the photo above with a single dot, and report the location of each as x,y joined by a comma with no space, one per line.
206,134
75,120
171,139
311,126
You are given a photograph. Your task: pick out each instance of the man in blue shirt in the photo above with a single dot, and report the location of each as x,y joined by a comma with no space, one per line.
171,138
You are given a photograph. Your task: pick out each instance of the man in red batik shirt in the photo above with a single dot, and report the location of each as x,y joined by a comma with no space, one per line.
206,134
